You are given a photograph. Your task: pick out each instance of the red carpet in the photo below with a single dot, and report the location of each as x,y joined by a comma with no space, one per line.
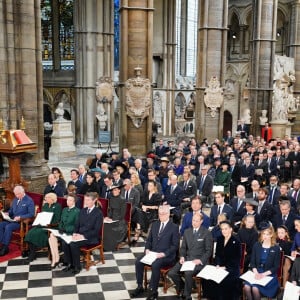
14,251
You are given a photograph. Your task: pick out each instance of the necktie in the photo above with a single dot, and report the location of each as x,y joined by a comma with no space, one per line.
239,204
259,207
88,211
283,219
185,185
201,184
126,196
80,178
295,195
18,202
172,189
162,226
195,233
219,210
106,193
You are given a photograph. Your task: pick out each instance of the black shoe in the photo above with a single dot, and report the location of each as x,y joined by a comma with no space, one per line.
138,291
25,253
133,242
76,271
152,296
55,265
4,250
68,268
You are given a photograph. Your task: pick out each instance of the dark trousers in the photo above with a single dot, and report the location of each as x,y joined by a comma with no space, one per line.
72,253
176,276
156,266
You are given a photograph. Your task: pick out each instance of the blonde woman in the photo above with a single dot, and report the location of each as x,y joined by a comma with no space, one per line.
265,261
136,182
67,222
37,237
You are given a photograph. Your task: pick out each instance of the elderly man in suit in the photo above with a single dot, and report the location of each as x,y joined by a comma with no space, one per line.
205,184
163,239
173,197
238,204
189,189
22,207
53,187
196,247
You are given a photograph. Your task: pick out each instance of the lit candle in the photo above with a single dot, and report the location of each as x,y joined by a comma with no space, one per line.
23,127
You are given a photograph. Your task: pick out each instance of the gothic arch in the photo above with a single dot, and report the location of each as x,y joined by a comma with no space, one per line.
233,12
245,14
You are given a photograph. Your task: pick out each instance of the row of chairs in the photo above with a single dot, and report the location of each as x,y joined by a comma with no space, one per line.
25,225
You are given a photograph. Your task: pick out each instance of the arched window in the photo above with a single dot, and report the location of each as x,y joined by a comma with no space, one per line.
57,34
186,37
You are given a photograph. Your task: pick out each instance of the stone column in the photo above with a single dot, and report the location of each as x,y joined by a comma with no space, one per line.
169,36
93,23
294,51
211,61
262,59
21,82
135,51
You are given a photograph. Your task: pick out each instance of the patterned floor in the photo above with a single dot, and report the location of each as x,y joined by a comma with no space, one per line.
114,280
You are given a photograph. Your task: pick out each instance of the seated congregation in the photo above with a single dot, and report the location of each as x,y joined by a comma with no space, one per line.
252,224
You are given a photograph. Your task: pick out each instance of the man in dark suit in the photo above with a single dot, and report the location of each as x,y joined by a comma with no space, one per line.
196,247
280,163
286,217
294,160
220,208
235,171
261,163
161,150
53,187
295,193
265,210
106,189
238,204
189,188
22,207
173,197
247,172
86,232
273,190
243,129
205,185
164,240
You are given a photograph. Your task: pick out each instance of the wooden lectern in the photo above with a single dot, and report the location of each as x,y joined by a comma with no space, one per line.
13,144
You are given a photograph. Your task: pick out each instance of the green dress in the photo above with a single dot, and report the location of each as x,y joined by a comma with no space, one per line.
38,235
68,219
223,178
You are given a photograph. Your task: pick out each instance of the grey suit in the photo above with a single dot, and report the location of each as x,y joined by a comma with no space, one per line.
193,247
133,197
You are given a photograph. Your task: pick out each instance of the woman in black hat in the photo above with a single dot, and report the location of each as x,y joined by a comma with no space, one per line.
115,227
90,185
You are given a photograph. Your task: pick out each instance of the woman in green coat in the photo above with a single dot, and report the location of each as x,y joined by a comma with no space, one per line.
223,178
66,225
37,236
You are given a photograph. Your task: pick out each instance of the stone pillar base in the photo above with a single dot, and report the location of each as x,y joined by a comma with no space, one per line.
62,141
278,128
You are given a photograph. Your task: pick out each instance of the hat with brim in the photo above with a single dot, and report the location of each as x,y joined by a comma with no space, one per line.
116,186
251,201
113,153
165,159
119,164
98,170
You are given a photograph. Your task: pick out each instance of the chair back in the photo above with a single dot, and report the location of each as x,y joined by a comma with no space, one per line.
243,255
103,203
37,199
62,201
280,268
128,212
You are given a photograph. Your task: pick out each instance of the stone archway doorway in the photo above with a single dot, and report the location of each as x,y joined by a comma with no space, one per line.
227,122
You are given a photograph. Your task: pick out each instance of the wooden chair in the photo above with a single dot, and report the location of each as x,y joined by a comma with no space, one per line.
128,220
62,201
163,273
87,251
25,223
103,203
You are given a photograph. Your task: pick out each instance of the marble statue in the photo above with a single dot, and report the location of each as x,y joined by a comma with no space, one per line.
157,108
246,117
60,112
263,119
101,116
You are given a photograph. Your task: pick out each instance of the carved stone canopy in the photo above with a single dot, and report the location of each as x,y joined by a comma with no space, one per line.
138,98
104,90
213,95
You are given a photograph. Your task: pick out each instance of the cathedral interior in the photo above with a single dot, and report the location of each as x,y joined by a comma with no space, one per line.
124,71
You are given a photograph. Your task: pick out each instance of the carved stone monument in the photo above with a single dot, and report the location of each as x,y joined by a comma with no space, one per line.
62,139
213,96
284,104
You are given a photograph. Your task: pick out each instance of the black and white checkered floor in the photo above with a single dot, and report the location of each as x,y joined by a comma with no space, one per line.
114,280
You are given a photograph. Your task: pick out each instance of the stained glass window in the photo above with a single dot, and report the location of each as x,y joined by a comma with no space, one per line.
57,33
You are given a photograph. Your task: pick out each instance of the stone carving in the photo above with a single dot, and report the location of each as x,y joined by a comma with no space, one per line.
246,117
283,100
101,116
180,107
138,98
213,96
184,83
229,91
263,119
157,108
60,112
104,97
